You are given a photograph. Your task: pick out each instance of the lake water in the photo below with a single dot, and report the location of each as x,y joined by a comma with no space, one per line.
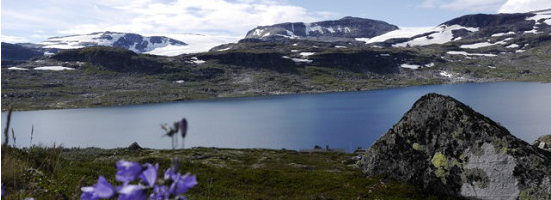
340,120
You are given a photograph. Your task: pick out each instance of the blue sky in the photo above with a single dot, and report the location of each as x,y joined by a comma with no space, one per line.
409,13
36,20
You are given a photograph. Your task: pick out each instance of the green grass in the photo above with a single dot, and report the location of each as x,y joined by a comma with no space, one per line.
222,173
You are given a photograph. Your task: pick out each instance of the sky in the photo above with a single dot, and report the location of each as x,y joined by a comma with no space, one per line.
37,20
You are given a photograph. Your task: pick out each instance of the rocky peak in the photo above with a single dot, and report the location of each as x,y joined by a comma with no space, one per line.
443,145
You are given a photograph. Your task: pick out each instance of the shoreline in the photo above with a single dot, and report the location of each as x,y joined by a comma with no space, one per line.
267,95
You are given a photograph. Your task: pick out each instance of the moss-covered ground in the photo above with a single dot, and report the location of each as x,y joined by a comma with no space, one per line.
58,173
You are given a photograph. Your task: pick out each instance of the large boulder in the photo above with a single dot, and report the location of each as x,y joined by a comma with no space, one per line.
444,146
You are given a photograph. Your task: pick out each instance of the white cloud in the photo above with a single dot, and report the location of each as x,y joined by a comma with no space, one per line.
228,17
515,6
12,39
466,5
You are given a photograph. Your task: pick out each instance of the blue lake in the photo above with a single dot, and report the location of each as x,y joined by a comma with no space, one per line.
340,120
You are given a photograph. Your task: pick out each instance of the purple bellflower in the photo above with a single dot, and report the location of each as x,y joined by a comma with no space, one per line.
182,184
127,171
101,190
131,192
149,175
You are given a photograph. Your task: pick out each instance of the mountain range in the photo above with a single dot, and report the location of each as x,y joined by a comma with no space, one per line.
347,54
475,31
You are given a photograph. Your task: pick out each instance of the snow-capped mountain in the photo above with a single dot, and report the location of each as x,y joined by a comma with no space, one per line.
342,29
130,41
468,27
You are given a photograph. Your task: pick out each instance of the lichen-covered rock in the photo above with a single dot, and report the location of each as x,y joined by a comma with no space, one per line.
543,142
444,146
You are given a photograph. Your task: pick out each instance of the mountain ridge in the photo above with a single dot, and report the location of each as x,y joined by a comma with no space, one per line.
341,29
130,41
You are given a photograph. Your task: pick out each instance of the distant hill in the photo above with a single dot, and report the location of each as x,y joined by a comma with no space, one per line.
346,28
18,52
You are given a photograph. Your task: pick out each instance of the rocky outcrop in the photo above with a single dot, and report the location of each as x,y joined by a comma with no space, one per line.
113,59
543,142
346,28
442,145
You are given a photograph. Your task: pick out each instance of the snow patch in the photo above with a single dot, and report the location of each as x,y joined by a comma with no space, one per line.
491,67
540,16
502,34
306,54
446,74
301,60
476,45
18,68
533,31
410,66
470,54
312,28
340,47
512,46
298,60
197,61
224,49
53,68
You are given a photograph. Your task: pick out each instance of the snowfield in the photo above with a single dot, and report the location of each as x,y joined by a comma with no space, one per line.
196,43
440,35
405,32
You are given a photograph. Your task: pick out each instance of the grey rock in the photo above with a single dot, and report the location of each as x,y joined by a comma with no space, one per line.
442,145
